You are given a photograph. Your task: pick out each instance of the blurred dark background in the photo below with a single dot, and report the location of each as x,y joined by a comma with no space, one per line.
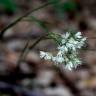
36,77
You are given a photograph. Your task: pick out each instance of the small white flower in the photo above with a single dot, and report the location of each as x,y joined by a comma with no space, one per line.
63,48
59,54
59,59
63,41
42,54
69,66
72,41
66,35
76,60
83,39
54,59
81,43
48,56
45,55
71,46
78,35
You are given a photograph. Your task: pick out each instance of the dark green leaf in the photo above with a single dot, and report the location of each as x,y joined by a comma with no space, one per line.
8,5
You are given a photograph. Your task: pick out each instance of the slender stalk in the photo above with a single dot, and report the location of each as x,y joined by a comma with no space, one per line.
27,48
23,53
21,17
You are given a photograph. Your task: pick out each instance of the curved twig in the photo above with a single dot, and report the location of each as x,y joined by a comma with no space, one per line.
21,17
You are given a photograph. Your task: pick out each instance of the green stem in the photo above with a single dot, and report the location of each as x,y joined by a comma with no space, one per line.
27,48
23,53
20,18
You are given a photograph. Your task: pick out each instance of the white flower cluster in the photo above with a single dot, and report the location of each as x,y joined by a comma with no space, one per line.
67,50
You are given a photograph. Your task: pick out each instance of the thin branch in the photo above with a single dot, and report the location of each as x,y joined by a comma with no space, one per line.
27,48
20,18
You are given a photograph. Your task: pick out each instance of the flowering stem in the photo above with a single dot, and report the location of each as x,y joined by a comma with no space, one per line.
27,48
23,53
61,72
